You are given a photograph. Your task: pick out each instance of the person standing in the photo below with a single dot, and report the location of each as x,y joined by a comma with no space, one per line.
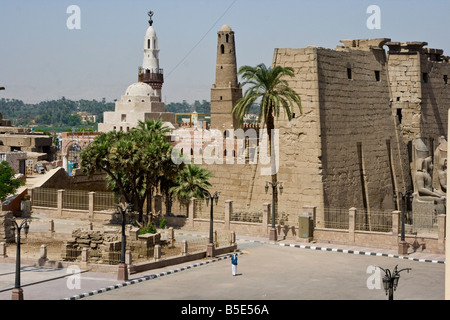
234,262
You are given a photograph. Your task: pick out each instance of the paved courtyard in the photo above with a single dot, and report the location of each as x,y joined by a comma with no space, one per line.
265,272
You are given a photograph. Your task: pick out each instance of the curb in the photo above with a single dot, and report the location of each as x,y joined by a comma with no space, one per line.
145,278
361,253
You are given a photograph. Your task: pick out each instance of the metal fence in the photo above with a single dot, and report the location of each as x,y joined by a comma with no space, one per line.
197,245
75,199
104,201
43,197
242,215
377,221
336,218
203,211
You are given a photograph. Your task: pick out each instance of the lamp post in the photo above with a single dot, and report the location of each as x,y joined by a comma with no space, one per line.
213,198
390,280
403,246
273,231
2,88
17,293
123,269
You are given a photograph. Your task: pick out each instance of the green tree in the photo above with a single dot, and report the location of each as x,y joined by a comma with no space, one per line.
132,161
191,182
169,180
8,183
269,87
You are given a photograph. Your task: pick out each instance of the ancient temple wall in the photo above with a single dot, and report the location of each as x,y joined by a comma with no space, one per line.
362,157
435,94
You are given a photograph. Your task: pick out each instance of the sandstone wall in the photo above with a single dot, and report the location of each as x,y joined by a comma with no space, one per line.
435,95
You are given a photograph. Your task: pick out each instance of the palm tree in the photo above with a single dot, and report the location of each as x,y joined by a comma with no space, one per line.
191,182
269,87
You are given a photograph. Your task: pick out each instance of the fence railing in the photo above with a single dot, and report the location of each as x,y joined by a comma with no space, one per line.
44,197
75,199
336,218
377,221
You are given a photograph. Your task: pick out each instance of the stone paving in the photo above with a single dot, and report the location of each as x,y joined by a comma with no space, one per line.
266,271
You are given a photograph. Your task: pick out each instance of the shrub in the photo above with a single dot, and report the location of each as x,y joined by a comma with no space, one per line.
162,223
150,228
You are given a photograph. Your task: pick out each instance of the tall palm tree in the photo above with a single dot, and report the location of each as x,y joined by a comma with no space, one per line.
191,182
268,87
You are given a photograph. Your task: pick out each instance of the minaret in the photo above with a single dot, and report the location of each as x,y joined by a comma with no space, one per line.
150,72
226,91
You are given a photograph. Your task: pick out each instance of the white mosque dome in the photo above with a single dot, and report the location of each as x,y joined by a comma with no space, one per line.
140,89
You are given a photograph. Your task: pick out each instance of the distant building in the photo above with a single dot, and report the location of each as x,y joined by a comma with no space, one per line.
22,148
142,100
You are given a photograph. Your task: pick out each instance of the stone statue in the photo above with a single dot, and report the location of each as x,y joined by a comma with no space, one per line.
424,183
440,158
442,175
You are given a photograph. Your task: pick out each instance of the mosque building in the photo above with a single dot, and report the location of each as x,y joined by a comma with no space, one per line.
142,100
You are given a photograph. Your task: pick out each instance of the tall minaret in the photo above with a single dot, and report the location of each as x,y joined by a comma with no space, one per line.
150,72
226,91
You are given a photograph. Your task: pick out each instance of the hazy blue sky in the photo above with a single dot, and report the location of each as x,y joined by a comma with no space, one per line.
40,58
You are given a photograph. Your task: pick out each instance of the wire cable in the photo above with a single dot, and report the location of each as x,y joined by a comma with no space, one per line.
204,36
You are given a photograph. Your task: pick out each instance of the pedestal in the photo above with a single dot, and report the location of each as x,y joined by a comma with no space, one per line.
273,234
210,250
123,272
403,247
17,294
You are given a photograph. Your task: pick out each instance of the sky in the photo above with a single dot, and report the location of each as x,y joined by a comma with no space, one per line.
41,58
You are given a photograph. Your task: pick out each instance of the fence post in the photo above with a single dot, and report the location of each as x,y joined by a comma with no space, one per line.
191,212
30,193
51,228
60,201
228,213
85,255
91,205
351,224
265,219
43,252
3,250
441,232
157,253
128,257
171,236
184,248
216,239
396,225
232,238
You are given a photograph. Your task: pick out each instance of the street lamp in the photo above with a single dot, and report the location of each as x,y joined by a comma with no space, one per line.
123,270
273,231
403,248
390,280
213,198
17,293
2,88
